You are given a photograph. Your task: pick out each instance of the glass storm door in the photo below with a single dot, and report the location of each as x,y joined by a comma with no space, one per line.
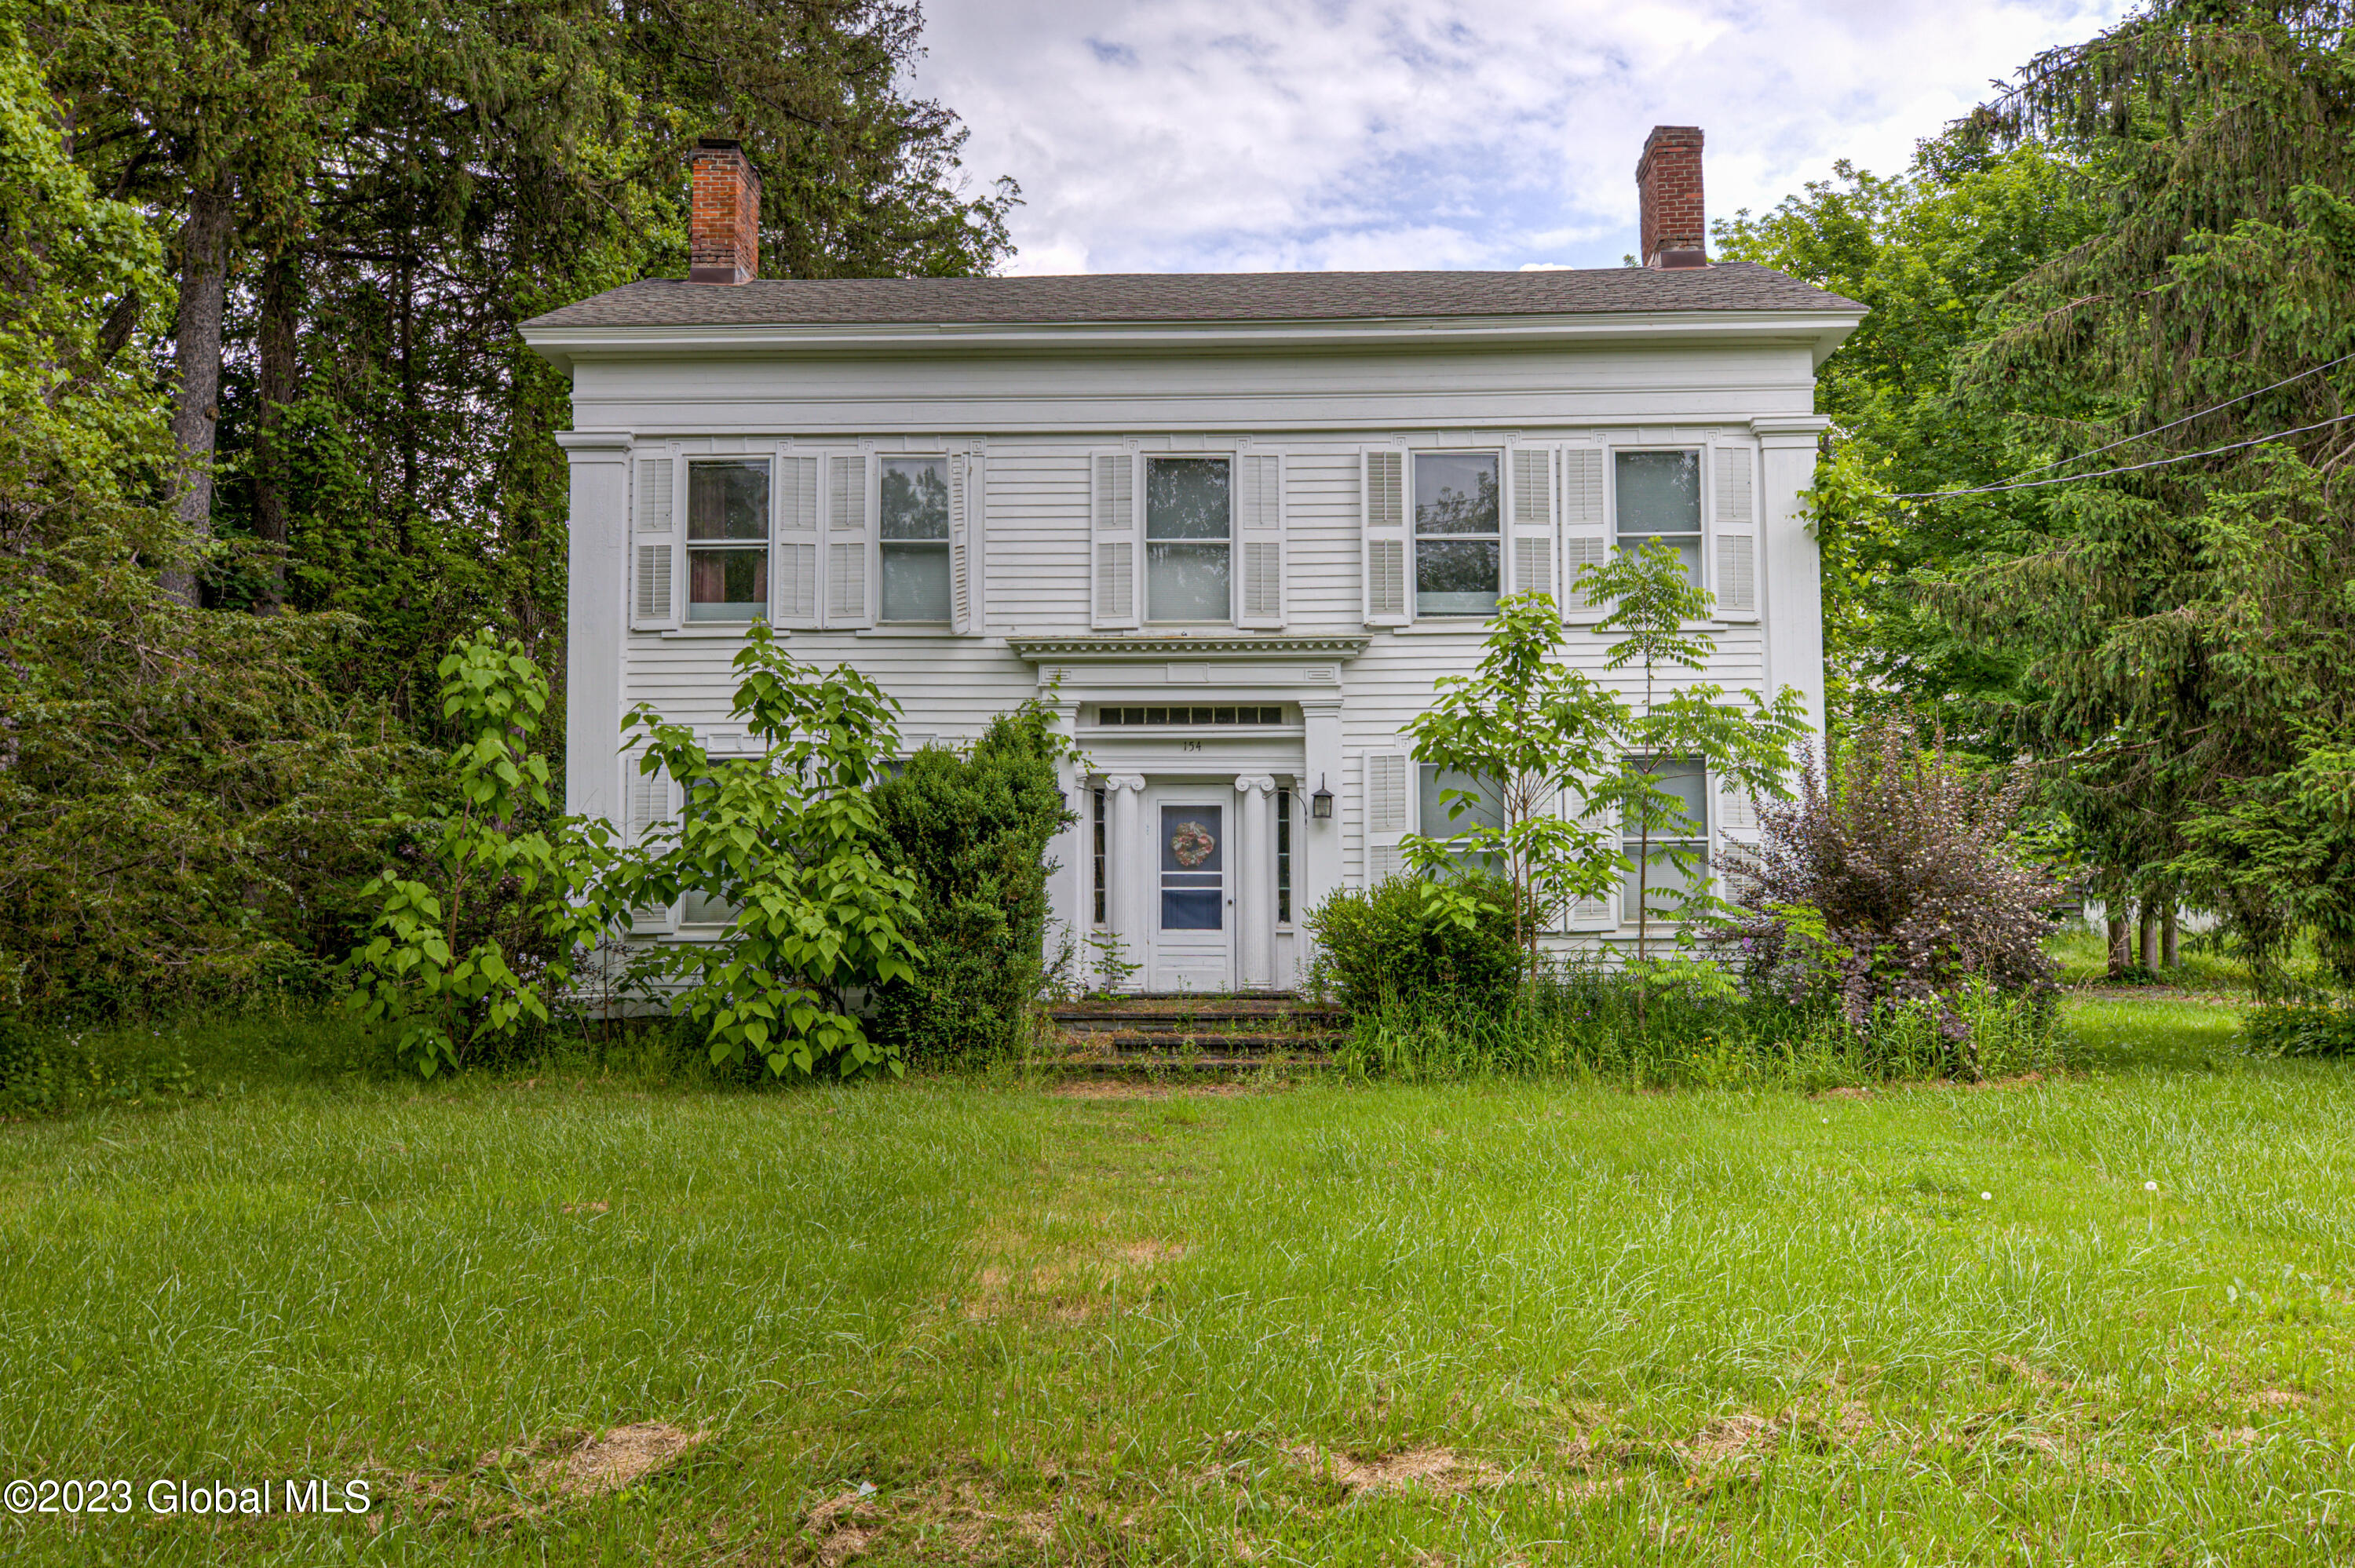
1191,942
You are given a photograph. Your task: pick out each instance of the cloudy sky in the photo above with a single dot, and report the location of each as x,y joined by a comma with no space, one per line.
1236,135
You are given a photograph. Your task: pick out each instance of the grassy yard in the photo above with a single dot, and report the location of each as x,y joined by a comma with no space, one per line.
2099,1319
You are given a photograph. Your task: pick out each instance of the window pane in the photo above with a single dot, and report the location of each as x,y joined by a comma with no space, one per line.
728,585
1187,582
1454,492
1186,498
1664,883
1687,549
702,909
1685,777
728,501
1192,844
1455,576
915,582
1488,812
915,499
1659,492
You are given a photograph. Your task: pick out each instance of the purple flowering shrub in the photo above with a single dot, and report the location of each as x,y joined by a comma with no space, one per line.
1892,885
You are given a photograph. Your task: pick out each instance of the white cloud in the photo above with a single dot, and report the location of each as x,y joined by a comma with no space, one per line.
1217,135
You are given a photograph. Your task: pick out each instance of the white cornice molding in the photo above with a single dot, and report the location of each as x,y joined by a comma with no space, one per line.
1789,429
561,345
594,440
1118,649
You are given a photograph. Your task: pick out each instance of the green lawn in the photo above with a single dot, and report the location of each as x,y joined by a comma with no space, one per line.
955,1321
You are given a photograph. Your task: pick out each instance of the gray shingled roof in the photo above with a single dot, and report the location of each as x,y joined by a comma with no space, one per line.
1141,297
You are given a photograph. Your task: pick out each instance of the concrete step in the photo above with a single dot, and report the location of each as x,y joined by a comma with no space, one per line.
1158,1061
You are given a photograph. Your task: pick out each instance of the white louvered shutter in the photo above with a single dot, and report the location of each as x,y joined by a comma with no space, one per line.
654,568
795,576
649,799
1259,524
1737,533
1533,527
1114,547
1737,823
965,526
1389,812
1586,524
850,508
1384,535
1590,914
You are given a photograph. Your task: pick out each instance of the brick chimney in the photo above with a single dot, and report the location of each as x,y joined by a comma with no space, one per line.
723,228
1667,181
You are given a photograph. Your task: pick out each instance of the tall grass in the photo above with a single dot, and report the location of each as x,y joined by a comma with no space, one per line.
1582,1020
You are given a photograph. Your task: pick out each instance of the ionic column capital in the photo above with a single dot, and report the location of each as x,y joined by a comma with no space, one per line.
1255,783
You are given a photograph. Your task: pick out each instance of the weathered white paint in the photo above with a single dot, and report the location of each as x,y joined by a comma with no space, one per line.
1032,410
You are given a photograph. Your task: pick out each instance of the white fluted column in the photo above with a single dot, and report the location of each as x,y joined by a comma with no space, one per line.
1254,872
1126,870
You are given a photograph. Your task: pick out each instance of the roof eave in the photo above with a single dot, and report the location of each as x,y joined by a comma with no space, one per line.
561,345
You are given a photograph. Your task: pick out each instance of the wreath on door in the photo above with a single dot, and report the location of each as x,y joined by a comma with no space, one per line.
1192,844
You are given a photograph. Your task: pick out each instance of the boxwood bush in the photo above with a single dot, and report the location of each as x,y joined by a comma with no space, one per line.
1394,944
973,828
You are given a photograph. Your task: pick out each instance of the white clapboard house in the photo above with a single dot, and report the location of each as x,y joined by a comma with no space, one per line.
1233,526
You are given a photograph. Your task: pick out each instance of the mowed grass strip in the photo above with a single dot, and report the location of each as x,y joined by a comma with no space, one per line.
2101,1317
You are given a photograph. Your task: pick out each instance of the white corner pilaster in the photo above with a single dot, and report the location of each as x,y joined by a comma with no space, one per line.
1791,597
1066,892
1316,853
597,615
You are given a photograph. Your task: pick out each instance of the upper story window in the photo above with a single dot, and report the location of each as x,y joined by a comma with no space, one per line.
914,539
1188,539
1658,497
1457,540
728,540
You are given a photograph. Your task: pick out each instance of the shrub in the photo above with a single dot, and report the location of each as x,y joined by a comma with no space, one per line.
1894,881
2305,1023
971,830
1409,940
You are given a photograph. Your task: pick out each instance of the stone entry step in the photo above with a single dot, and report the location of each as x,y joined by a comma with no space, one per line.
1189,1033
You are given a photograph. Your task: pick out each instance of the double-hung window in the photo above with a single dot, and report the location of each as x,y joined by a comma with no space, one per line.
1457,541
1658,497
728,540
1654,855
915,539
1188,539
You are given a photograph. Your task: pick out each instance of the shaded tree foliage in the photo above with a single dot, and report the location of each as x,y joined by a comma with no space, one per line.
2185,625
405,180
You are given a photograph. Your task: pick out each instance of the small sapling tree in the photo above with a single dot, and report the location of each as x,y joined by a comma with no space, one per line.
1743,744
786,843
1526,727
415,974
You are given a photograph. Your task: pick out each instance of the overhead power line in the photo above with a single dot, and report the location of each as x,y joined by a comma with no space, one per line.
2129,468
2015,481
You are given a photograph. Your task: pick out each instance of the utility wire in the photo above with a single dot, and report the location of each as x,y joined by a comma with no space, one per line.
2130,468
2161,430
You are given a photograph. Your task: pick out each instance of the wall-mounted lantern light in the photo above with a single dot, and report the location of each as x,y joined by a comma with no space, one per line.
1320,804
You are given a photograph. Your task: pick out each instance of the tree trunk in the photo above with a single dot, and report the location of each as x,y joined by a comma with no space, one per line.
2167,926
281,300
2150,935
197,342
2114,913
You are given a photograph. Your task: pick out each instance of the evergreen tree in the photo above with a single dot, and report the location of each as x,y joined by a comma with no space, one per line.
2186,621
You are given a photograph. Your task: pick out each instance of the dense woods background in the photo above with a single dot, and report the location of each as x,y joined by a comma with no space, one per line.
268,442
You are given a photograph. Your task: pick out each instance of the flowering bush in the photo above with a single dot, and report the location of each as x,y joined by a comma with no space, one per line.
1894,880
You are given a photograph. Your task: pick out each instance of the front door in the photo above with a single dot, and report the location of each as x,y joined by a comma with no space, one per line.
1193,906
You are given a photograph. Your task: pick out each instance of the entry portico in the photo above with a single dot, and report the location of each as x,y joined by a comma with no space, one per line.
1198,847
